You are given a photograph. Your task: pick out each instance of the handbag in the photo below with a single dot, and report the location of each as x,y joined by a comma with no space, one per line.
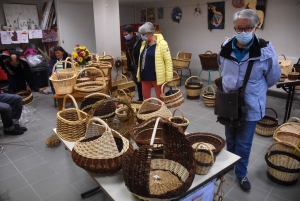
230,107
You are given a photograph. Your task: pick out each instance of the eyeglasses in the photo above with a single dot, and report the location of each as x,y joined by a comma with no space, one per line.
246,29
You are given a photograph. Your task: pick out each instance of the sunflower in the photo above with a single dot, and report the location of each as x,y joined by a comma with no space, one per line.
75,55
80,59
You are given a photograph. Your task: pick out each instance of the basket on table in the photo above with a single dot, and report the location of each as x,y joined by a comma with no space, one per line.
136,104
116,82
216,142
176,80
122,111
180,121
291,138
26,96
204,157
297,67
282,77
283,167
124,95
103,109
128,85
172,98
180,63
148,110
209,61
285,65
107,58
293,75
71,122
193,89
292,125
64,80
100,151
90,100
150,176
106,68
209,97
267,125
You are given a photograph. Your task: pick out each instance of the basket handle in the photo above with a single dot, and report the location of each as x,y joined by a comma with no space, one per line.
273,111
97,94
293,69
208,51
191,78
163,86
125,93
180,112
154,130
281,55
74,102
89,68
208,147
122,76
177,56
285,143
67,60
98,120
149,99
72,65
209,86
294,118
174,72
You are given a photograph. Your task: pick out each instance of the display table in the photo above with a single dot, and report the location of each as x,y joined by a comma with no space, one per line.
115,188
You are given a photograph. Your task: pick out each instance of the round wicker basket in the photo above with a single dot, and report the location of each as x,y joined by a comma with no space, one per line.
26,96
288,137
90,100
204,157
267,125
176,80
292,125
172,98
209,97
293,75
180,121
193,89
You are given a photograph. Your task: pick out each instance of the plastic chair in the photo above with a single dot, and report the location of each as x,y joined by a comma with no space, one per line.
209,63
185,56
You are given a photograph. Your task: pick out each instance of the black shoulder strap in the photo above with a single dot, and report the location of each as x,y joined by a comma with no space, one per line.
247,75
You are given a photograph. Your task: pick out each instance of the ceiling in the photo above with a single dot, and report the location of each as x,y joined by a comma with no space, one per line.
130,2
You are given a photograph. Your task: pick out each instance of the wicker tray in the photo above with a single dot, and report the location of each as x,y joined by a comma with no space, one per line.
209,96
193,89
209,61
172,98
204,157
292,125
180,121
267,125
90,100
291,138
26,96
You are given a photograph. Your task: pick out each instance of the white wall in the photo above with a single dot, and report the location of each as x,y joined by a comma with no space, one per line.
127,14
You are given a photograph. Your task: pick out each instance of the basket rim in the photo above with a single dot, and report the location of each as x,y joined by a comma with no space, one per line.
280,168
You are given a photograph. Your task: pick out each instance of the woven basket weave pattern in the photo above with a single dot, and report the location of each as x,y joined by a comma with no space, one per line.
267,125
193,89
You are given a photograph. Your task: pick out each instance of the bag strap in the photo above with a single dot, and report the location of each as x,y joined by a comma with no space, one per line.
247,76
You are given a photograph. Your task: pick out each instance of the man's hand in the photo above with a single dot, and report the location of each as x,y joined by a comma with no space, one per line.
28,89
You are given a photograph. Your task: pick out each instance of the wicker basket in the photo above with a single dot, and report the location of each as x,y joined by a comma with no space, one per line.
64,80
172,98
151,176
291,138
148,110
101,150
107,58
290,126
26,96
216,142
103,109
283,167
116,82
180,121
71,122
136,104
90,100
124,95
209,61
193,89
204,157
293,75
180,63
122,111
267,125
176,80
282,78
209,97
285,65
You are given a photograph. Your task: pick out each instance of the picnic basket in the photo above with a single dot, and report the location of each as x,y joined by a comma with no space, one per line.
100,151
71,122
180,121
209,97
193,89
204,157
292,125
180,63
285,65
291,138
267,125
176,80
209,61
26,96
89,100
151,176
172,98
293,75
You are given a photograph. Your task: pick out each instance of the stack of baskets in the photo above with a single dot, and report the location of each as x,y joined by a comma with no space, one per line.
267,125
107,58
292,125
193,89
209,61
172,98
209,96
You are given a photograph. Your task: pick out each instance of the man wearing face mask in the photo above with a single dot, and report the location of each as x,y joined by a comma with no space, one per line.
133,46
233,60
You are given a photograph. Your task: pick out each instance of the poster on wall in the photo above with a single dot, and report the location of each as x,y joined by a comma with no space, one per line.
143,15
216,15
238,3
151,14
259,6
160,13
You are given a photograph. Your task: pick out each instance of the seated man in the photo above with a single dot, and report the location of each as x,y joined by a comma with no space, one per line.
11,110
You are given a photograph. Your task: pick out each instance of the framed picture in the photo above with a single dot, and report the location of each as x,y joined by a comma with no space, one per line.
160,13
143,15
151,14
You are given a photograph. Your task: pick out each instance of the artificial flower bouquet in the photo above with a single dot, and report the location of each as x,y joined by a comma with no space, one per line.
81,54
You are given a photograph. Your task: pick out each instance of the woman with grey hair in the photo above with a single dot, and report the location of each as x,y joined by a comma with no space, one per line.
155,64
234,57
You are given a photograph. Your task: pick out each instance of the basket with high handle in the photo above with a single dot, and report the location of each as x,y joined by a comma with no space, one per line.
173,97
180,63
267,125
209,96
293,75
204,157
193,89
209,61
180,121
108,58
292,125
26,96
176,80
116,82
291,138
90,100
285,65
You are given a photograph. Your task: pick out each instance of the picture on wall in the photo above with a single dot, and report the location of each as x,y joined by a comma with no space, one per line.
259,6
238,3
160,13
216,15
143,15
151,14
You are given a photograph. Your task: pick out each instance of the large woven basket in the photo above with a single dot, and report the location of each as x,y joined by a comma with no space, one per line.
180,121
193,89
176,80
148,110
283,167
26,96
209,97
267,125
209,61
151,176
101,150
90,100
64,80
216,142
71,122
291,138
172,98
292,125
180,63
293,75
204,157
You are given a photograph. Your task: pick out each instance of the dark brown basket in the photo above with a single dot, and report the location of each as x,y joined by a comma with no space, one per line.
138,165
180,121
193,89
90,100
209,138
209,61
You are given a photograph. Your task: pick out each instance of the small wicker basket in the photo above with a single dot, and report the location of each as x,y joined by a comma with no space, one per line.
267,125
176,80
292,125
90,100
209,97
172,98
291,138
124,95
204,158
209,61
293,75
26,96
193,89
122,112
107,58
180,63
180,121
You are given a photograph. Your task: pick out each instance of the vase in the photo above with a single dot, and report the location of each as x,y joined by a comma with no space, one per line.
82,66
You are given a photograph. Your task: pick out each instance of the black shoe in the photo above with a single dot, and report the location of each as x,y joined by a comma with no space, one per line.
20,128
244,183
15,131
140,100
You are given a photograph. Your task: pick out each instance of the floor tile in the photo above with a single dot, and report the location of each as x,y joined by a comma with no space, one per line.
205,122
258,148
39,146
199,112
227,198
7,171
273,197
191,117
259,179
260,164
218,126
51,154
4,159
20,153
61,163
229,184
288,192
38,173
255,194
73,174
25,194
266,141
66,193
84,185
32,138
46,125
211,116
13,183
30,130
99,196
194,128
253,157
28,162
49,131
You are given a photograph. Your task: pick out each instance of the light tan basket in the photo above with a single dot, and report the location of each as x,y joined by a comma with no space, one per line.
122,112
291,138
26,96
285,65
209,97
176,80
172,98
267,125
204,157
107,58
292,125
180,63
293,75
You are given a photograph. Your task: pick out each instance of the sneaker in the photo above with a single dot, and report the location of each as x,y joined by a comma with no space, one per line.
15,131
20,128
244,183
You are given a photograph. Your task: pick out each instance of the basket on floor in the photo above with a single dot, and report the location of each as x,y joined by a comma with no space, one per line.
209,97
90,100
180,63
216,142
148,110
100,151
283,167
176,80
193,89
63,81
26,96
209,61
293,75
291,138
180,121
292,125
172,98
267,125
71,122
204,157
150,176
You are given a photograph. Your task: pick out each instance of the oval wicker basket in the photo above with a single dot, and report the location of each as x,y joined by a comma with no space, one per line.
291,138
122,111
71,122
193,89
172,98
176,80
267,125
283,167
293,75
209,61
216,142
180,63
26,96
209,97
101,150
292,125
180,121
90,100
204,157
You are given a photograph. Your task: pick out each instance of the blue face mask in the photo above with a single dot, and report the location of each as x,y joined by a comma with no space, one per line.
127,37
244,38
144,38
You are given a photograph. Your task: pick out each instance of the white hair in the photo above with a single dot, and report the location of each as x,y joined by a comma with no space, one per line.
148,27
247,14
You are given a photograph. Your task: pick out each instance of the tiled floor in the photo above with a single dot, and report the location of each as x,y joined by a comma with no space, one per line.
34,172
